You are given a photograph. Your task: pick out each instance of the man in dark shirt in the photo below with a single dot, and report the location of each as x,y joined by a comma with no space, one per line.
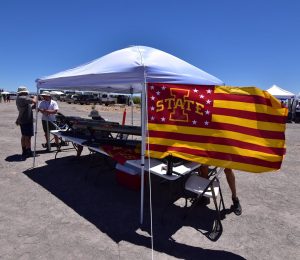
25,119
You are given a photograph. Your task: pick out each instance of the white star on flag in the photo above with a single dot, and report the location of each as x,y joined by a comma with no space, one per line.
201,96
194,122
207,112
163,87
208,101
195,90
153,98
152,87
208,91
152,118
157,93
163,119
206,122
152,108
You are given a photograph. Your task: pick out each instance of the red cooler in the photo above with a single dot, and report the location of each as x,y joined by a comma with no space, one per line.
128,177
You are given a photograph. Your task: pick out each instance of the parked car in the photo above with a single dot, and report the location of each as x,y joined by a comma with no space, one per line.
62,97
295,110
87,99
109,99
70,98
123,99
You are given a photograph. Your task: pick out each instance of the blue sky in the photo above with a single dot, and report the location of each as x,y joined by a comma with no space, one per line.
244,43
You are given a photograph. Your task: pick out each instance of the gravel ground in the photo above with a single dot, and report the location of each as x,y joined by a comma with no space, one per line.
68,209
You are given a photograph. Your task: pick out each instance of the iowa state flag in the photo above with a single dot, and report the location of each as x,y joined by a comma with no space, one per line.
237,128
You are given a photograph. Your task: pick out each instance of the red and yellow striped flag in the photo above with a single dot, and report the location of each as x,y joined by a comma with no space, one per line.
231,127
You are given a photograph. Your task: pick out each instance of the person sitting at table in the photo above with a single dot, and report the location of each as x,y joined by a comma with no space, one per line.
236,206
94,114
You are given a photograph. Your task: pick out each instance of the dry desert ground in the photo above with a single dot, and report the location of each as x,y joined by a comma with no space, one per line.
75,209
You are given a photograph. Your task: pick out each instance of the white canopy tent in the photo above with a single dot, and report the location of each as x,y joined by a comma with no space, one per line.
128,68
56,92
280,93
128,71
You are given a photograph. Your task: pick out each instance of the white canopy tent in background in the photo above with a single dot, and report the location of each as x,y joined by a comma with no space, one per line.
280,93
128,71
56,92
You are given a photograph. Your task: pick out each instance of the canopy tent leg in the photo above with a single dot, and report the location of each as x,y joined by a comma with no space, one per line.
48,136
144,121
36,121
143,101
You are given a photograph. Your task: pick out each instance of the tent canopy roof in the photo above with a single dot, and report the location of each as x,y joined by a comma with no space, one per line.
126,70
280,93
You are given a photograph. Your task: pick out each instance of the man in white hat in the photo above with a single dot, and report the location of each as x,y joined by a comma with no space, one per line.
25,119
48,108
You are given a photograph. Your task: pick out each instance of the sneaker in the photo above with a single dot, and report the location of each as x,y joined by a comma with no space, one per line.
236,207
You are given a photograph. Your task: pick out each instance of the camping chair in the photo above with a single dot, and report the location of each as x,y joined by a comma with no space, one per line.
62,126
199,187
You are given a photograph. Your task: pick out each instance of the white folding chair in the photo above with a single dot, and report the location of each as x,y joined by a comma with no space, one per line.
210,188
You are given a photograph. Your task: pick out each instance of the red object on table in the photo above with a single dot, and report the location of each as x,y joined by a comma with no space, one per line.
122,154
124,117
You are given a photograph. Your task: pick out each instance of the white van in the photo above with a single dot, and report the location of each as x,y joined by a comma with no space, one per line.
109,99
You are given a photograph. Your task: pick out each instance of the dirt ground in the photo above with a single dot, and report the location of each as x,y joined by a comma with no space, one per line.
75,209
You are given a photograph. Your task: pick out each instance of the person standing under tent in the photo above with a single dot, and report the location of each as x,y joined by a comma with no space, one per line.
25,119
48,108
236,206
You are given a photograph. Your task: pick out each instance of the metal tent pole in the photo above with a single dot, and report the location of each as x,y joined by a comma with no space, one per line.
143,122
131,104
36,119
143,148
48,135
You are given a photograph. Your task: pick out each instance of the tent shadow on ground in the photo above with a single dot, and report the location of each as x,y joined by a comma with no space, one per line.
89,187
